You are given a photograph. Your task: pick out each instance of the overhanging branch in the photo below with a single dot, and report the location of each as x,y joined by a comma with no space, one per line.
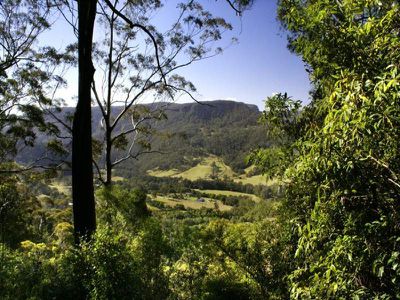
143,28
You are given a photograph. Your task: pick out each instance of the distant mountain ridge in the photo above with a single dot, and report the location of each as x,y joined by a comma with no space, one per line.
226,129
213,109
223,128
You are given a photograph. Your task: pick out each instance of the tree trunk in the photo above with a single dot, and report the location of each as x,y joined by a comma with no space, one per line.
82,170
109,166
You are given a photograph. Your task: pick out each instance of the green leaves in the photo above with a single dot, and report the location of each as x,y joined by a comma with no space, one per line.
344,181
283,119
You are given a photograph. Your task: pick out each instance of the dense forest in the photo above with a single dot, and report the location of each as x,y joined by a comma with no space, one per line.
300,201
186,133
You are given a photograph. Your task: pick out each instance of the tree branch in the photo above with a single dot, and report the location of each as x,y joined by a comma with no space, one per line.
143,28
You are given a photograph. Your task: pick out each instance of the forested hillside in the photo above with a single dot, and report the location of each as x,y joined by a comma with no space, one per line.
227,129
186,134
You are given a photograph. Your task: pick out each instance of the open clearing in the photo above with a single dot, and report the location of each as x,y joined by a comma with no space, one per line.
254,180
117,178
203,170
192,202
163,173
231,193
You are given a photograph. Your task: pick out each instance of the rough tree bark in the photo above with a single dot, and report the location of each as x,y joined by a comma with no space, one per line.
82,171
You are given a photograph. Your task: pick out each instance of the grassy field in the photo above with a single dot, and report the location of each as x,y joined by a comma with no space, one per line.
152,208
248,179
163,173
230,193
250,169
191,202
202,170
117,178
254,180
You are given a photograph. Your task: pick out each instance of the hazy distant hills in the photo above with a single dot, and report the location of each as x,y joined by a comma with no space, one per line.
192,131
226,129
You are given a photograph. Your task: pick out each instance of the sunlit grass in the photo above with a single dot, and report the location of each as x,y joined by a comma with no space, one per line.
163,173
203,170
192,202
230,193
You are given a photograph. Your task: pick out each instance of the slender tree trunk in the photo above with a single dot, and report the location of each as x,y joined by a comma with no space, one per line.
108,181
108,158
82,170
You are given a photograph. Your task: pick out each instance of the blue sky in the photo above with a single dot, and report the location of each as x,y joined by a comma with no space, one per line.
258,66
249,71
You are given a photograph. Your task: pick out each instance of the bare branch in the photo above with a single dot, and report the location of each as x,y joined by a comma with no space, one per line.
100,177
127,107
237,10
136,156
143,28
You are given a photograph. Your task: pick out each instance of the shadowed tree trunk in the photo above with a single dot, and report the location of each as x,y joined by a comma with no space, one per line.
82,171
